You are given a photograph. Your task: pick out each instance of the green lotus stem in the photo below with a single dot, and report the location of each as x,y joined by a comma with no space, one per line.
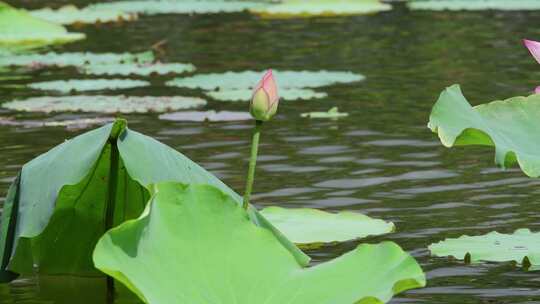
252,162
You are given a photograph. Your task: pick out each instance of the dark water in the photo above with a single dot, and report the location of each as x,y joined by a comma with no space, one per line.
382,160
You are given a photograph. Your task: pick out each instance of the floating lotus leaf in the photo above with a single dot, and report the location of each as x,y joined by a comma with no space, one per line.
523,246
83,85
153,7
20,29
74,59
139,69
307,8
195,244
510,125
245,94
245,80
311,227
64,200
206,116
333,113
70,14
71,124
105,104
474,5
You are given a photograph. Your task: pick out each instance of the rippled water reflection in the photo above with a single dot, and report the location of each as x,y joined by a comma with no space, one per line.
381,160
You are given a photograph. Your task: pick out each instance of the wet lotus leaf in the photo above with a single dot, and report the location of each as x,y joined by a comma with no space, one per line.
309,227
245,94
139,69
456,5
206,116
245,80
70,14
333,113
307,8
83,85
523,246
195,244
105,104
18,29
153,7
64,200
70,124
511,126
74,59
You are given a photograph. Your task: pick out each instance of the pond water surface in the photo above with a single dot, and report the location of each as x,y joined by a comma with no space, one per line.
381,160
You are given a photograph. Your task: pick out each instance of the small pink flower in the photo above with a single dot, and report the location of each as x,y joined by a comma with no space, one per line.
265,98
537,90
534,48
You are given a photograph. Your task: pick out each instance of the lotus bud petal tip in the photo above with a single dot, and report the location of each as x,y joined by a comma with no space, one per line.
265,98
533,47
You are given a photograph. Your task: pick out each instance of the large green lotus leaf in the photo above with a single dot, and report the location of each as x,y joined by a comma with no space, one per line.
70,124
18,28
510,125
523,246
74,59
70,14
154,7
84,85
139,69
206,116
68,197
473,5
333,113
248,79
105,104
311,227
195,244
245,94
307,8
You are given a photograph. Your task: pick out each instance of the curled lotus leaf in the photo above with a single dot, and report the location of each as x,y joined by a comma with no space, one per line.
522,246
70,14
206,116
474,5
308,8
153,7
83,85
65,199
73,59
18,29
246,94
144,69
311,227
247,79
333,113
511,126
105,104
195,244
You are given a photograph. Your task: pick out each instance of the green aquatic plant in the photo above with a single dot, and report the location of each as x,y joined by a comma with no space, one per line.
65,199
142,69
195,244
314,8
474,5
70,14
85,85
77,59
333,113
154,7
206,116
511,127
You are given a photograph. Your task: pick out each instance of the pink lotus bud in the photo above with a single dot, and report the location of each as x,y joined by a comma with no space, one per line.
265,99
534,48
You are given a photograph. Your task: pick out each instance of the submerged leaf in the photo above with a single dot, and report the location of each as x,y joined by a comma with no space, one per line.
523,246
139,69
474,5
245,94
195,244
206,116
333,113
70,14
67,198
18,28
74,59
511,126
308,8
309,227
105,104
83,85
154,7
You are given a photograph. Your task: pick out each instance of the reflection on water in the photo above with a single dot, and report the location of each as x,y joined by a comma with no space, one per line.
381,160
